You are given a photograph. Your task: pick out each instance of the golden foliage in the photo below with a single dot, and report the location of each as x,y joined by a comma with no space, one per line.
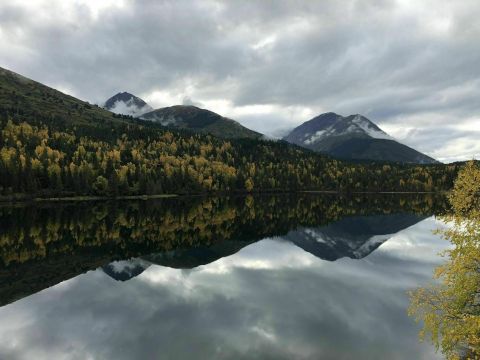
450,310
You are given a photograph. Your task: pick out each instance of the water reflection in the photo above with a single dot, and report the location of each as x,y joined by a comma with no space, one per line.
354,237
41,246
240,278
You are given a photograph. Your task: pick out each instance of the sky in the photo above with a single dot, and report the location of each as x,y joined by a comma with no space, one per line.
410,66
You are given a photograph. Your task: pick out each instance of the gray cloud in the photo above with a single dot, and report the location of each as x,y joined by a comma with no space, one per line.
402,63
188,101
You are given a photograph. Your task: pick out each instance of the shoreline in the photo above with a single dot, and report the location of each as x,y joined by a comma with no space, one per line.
96,198
81,198
373,192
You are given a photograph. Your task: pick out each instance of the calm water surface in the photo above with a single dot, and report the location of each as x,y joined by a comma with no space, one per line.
273,277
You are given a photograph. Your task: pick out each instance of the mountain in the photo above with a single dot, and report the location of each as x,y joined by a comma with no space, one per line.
200,120
27,99
54,145
127,104
353,138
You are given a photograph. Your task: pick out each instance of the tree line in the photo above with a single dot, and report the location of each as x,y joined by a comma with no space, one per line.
49,156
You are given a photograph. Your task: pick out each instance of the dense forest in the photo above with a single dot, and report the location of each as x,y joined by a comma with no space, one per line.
52,144
133,159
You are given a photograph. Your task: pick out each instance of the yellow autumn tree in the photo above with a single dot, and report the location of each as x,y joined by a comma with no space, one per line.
450,309
249,184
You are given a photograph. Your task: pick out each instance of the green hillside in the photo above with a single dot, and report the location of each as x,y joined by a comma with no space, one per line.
22,96
200,120
375,149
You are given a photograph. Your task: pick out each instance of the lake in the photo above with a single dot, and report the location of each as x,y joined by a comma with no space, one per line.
270,277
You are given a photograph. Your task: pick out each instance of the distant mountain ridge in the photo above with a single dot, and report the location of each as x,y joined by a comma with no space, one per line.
127,104
179,116
201,120
353,137
320,128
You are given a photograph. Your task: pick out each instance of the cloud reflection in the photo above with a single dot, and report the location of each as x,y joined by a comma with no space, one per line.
271,300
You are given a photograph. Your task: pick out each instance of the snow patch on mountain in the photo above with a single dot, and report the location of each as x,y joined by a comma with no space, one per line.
318,236
372,243
365,126
312,234
351,247
350,125
317,136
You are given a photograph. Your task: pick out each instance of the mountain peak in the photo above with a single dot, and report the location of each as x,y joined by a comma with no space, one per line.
331,124
127,104
363,125
352,137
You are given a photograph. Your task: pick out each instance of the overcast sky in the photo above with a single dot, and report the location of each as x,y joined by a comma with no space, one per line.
411,66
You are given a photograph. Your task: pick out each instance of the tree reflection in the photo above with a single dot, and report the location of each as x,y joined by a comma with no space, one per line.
42,245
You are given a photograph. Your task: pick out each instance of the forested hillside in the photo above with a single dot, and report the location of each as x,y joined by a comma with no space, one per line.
52,144
200,120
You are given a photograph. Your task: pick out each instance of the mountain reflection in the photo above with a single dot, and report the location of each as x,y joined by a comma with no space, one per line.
354,236
45,244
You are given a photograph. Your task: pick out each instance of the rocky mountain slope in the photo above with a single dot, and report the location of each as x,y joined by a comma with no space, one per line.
354,138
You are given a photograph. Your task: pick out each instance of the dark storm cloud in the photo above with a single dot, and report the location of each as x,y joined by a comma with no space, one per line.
405,63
